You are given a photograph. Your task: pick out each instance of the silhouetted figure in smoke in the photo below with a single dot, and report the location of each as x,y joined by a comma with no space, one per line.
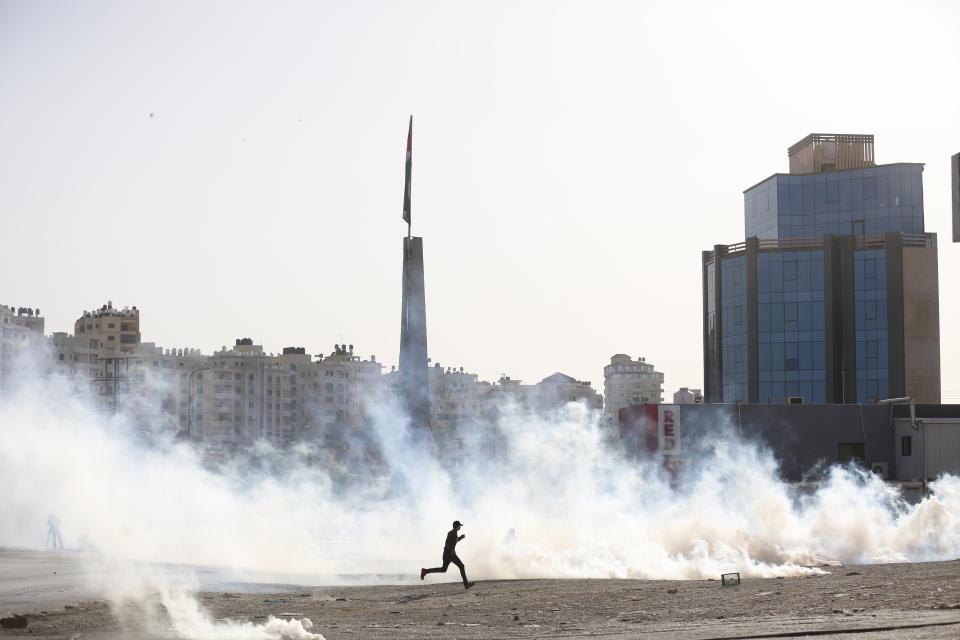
450,555
53,533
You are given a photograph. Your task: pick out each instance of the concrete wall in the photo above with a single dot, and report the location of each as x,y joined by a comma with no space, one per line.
935,448
921,324
803,438
909,468
807,438
941,446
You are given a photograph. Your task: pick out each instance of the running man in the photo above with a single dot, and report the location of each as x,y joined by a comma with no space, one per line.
450,555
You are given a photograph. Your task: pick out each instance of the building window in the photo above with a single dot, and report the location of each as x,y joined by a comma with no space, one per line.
111,325
906,446
851,451
789,270
111,338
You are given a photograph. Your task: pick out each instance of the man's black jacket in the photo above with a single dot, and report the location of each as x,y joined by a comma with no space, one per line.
449,547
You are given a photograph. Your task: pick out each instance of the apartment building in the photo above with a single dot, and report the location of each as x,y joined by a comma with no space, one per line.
228,399
116,331
239,394
21,328
339,390
549,394
685,395
459,411
627,382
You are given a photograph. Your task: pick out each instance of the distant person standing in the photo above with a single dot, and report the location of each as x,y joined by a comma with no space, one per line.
53,534
450,555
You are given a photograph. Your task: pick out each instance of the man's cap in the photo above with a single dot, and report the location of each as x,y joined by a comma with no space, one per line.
457,523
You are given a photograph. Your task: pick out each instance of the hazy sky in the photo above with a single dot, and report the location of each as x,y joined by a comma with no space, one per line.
571,160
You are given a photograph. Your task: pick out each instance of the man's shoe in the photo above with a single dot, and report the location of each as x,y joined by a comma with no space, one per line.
423,572
467,585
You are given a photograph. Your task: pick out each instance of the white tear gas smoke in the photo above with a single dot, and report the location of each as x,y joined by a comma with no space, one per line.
163,601
577,507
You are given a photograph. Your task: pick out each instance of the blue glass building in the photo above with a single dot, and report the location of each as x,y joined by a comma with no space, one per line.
867,201
832,297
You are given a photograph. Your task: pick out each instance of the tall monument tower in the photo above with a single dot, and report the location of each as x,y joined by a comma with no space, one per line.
414,382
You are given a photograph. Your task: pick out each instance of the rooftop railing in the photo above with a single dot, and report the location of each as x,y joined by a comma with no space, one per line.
878,241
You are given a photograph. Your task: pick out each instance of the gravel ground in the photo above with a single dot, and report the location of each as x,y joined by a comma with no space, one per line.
919,601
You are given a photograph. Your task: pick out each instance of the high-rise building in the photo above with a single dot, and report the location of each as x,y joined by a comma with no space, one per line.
833,296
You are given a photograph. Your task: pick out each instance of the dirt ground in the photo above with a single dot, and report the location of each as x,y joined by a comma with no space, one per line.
897,601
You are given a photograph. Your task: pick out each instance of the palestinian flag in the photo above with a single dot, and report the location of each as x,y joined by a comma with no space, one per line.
406,186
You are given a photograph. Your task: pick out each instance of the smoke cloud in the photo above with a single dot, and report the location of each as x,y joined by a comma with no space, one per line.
557,500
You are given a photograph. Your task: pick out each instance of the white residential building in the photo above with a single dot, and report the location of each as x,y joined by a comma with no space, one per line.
238,395
21,330
687,396
627,382
550,393
458,406
226,400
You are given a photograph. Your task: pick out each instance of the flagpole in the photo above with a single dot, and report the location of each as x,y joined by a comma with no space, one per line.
410,177
408,187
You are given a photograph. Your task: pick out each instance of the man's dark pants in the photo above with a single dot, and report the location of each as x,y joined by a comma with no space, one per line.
446,563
